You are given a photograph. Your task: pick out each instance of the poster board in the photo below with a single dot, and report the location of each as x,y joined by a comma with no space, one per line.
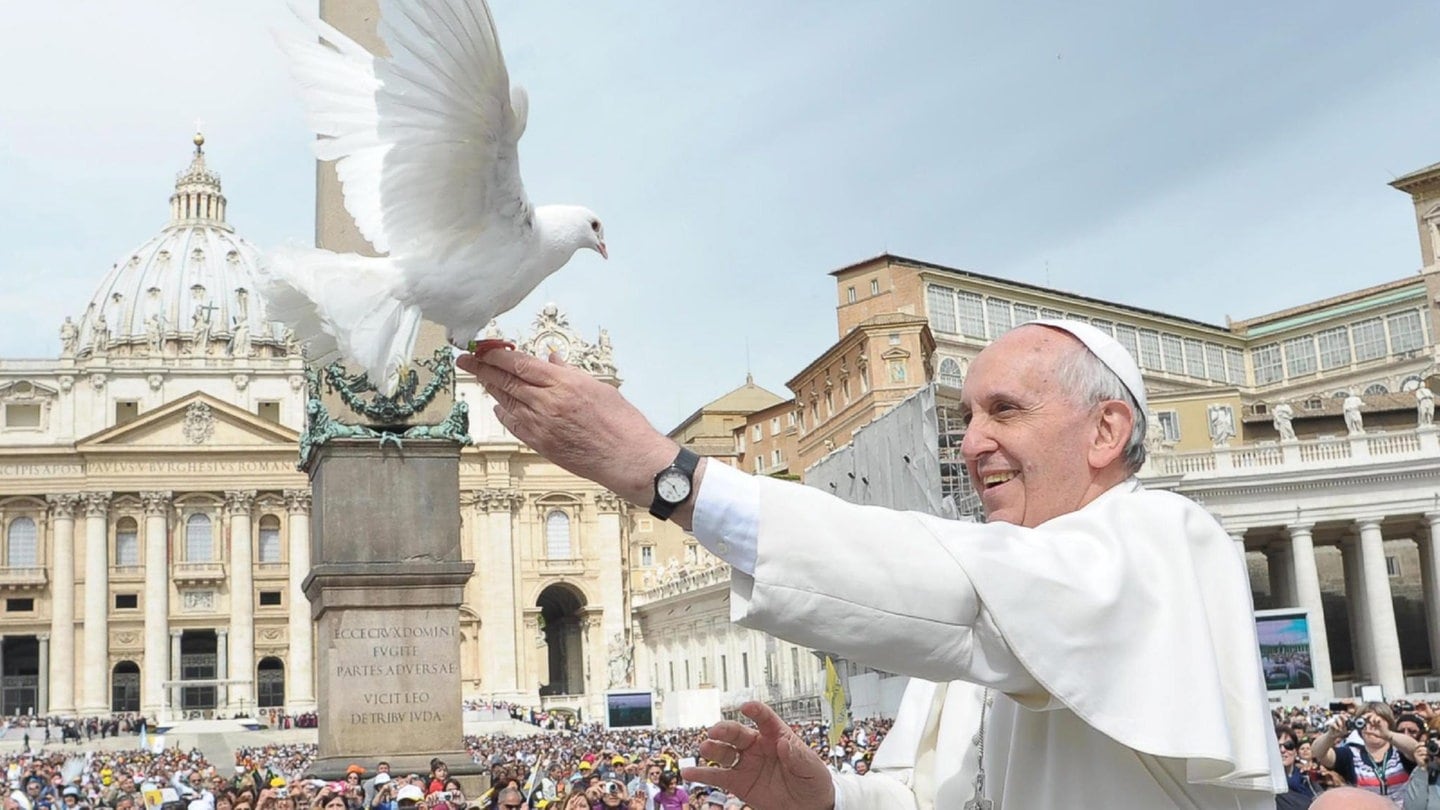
1287,653
631,708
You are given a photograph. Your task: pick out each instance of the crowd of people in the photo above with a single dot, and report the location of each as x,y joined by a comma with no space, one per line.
1388,749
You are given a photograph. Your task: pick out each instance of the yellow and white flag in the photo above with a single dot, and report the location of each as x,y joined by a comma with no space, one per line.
839,706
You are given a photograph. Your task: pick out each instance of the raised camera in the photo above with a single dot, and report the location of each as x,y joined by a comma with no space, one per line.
1358,724
1432,747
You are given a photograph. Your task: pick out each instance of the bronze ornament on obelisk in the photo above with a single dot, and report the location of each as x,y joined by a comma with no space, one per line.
387,578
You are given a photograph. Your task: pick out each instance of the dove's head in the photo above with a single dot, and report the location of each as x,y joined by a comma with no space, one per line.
568,228
597,233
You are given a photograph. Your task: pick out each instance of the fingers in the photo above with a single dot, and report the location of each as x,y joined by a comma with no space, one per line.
767,722
732,781
530,369
722,754
728,735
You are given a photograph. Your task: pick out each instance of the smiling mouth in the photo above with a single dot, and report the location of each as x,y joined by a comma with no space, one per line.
995,479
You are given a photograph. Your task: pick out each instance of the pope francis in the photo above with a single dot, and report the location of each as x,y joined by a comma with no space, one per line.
1088,612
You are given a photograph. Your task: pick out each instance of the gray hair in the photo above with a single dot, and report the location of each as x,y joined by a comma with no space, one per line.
1090,382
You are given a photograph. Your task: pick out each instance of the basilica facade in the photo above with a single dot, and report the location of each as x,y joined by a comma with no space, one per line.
154,529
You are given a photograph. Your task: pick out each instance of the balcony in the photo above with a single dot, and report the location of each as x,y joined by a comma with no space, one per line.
559,567
1323,453
22,579
127,573
198,573
272,569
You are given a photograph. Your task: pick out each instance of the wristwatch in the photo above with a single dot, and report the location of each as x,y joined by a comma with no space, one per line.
674,484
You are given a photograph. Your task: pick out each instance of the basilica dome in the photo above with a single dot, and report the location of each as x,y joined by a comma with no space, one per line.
187,291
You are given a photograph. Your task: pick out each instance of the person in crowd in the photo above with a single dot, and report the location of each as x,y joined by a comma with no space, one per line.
1373,757
1421,791
1055,414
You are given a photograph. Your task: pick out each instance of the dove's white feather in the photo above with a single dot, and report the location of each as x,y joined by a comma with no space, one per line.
346,304
427,147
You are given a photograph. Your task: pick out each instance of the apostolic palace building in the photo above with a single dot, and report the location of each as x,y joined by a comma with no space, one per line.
154,529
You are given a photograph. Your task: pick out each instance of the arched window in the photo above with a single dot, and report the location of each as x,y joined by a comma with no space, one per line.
269,539
127,542
21,542
1377,388
199,543
950,373
557,535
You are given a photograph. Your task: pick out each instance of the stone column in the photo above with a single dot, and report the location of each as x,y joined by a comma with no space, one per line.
300,686
1238,535
222,668
501,659
1355,605
1282,575
1384,639
61,675
1430,575
1307,590
42,696
611,572
172,692
242,602
93,701
157,601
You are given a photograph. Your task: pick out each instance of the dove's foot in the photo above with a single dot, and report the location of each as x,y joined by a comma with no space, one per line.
479,347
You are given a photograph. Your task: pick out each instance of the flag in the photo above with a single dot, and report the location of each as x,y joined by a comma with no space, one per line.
835,697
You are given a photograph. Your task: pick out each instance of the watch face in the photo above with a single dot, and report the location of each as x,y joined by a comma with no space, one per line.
673,486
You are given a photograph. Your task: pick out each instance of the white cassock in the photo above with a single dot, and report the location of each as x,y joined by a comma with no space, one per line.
1098,630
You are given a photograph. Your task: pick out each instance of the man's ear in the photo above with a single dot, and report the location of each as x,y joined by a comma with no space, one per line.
1114,421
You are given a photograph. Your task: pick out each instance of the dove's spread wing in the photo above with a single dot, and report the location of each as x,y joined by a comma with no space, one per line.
445,102
337,78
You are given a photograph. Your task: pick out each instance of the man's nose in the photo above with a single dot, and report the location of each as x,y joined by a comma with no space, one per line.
976,441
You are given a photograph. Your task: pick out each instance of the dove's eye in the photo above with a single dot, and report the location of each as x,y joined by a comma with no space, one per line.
594,226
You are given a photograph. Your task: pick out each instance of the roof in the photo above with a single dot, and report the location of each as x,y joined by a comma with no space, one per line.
1405,182
746,399
940,268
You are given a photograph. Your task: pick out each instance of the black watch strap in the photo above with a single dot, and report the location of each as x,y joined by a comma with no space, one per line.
685,461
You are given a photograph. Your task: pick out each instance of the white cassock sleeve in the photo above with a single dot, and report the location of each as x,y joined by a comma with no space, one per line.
1119,612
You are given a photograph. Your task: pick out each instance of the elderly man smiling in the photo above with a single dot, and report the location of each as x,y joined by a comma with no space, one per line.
1090,609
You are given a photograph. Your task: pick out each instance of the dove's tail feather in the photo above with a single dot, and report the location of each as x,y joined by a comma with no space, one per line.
343,305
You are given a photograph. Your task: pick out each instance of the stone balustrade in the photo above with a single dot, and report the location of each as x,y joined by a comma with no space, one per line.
1325,452
692,580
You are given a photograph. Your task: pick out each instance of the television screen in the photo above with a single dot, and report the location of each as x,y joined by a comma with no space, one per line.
1285,650
629,709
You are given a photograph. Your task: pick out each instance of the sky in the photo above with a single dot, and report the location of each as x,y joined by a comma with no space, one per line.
1202,159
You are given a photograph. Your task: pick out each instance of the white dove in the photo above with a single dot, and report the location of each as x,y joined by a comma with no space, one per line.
426,147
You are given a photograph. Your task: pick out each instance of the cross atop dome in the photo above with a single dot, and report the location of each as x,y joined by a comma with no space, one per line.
197,199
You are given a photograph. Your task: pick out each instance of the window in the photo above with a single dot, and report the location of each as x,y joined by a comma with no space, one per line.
1334,348
1368,338
1392,565
127,542
1150,349
829,404
269,599
1375,389
874,286
269,411
1300,356
1316,403
759,464
22,416
849,295
672,676
269,539
795,667
774,426
894,338
1051,314
1407,333
997,312
692,553
1215,362
1127,337
126,410
1025,313
972,315
705,670
127,601
1268,366
557,535
941,303
950,373
740,440
775,457
758,431
1108,327
21,543
1170,424
745,669
687,674
1195,358
20,605
724,675
646,524
790,419
1234,366
647,556
1171,348
199,545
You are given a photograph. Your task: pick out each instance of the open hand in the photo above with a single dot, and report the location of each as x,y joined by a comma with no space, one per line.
769,765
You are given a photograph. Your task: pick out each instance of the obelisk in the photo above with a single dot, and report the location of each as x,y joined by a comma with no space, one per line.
387,578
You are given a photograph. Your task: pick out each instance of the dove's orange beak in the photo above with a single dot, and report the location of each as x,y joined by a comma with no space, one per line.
604,253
